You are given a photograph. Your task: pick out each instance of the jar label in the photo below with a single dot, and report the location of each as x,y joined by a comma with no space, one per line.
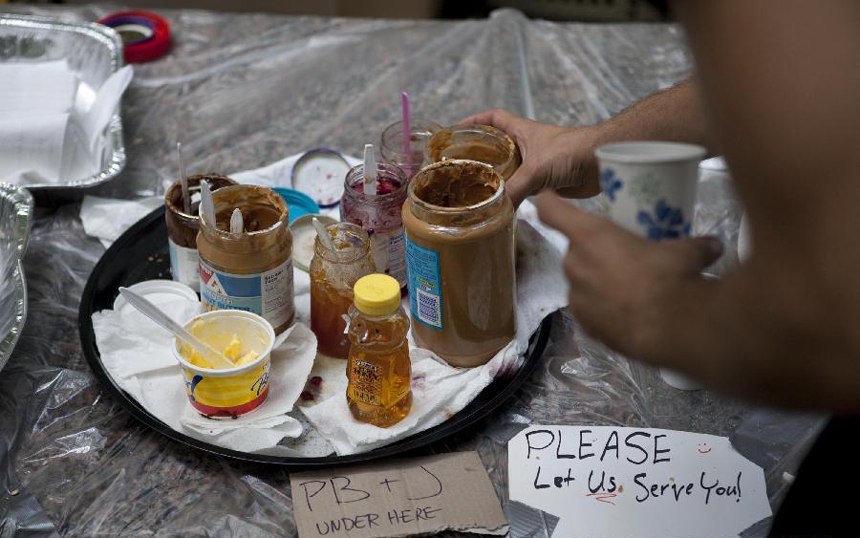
425,290
184,264
268,294
389,254
365,382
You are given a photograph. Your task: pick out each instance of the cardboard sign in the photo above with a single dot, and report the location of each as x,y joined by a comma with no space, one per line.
607,482
398,498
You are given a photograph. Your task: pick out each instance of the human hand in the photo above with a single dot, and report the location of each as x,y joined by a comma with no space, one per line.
554,157
624,289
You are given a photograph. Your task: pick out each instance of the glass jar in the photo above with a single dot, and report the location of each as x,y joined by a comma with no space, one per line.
251,270
391,144
333,274
381,215
482,143
379,370
460,261
182,227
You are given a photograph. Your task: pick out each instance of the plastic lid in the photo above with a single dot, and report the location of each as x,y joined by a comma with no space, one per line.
304,236
298,202
319,173
377,295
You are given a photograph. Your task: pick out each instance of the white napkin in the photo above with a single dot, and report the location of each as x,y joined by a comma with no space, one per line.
37,86
137,355
108,218
541,290
53,123
440,391
278,173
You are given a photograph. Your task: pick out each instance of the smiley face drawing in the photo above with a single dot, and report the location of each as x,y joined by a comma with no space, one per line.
703,448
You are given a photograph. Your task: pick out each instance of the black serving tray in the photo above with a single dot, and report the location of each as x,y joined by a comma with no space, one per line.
141,254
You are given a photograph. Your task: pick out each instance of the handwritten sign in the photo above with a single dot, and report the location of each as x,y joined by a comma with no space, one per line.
398,498
607,482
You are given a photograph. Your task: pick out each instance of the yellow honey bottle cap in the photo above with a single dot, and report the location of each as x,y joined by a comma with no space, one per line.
377,295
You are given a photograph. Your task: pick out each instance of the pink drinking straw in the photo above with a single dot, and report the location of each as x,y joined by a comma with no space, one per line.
407,132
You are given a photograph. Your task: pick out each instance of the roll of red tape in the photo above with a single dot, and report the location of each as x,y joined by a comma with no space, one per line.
145,35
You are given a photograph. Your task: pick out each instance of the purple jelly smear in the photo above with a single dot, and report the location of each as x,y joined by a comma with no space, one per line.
383,186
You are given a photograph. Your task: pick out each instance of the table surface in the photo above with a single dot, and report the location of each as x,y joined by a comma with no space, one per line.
242,91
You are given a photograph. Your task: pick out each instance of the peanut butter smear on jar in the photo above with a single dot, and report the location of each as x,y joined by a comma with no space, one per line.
482,143
251,270
460,261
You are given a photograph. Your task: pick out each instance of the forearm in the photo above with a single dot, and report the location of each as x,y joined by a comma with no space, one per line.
674,115
766,333
783,327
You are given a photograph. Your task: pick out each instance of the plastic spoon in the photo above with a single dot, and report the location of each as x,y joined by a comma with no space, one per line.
183,180
237,225
322,233
369,169
207,205
155,314
407,132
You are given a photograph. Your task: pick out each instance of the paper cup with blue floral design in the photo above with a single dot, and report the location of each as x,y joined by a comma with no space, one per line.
651,187
229,392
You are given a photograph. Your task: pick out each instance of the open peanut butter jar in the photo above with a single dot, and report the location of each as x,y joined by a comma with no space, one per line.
482,143
460,261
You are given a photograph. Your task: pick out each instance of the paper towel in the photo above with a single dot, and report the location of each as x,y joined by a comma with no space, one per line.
440,391
541,290
52,125
107,218
137,355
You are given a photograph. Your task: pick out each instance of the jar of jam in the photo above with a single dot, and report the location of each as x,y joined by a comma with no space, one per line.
482,143
381,215
333,273
250,270
391,144
460,261
379,370
182,227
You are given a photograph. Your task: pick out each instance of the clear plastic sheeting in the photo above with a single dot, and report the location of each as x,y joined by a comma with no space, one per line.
242,91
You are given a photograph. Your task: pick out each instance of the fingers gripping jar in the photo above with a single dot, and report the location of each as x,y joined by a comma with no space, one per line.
460,261
333,274
380,214
251,270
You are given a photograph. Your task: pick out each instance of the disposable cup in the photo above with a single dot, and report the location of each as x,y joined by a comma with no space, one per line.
229,392
651,186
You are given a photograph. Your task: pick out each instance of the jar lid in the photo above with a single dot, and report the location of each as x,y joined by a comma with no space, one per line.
298,202
377,294
319,173
304,236
158,292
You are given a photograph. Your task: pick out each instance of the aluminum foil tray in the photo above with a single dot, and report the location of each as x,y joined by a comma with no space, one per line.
16,207
93,50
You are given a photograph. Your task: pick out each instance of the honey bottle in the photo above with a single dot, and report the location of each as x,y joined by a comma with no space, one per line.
379,369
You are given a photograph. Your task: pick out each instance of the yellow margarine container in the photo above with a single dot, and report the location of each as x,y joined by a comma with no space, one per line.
229,392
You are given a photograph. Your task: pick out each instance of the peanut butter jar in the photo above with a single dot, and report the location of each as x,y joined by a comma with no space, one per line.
182,227
482,143
251,270
460,261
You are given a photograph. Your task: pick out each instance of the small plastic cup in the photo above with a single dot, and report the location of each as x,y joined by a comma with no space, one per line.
651,186
229,392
